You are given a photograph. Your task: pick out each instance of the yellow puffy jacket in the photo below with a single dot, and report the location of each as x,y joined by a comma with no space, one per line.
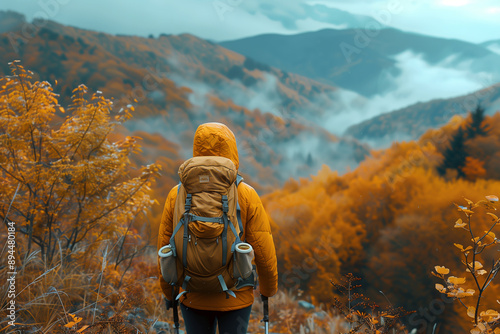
215,139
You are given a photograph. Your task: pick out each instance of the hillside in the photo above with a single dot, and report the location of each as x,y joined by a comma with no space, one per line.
178,82
411,122
10,21
359,60
390,221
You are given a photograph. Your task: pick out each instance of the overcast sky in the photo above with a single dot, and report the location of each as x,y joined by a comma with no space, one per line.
218,20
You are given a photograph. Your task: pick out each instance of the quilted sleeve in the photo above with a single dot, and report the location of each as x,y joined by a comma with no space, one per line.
258,234
164,234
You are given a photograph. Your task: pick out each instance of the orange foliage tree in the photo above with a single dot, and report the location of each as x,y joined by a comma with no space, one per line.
474,255
63,182
382,222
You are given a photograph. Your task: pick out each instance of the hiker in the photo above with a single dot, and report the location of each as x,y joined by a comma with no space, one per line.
229,308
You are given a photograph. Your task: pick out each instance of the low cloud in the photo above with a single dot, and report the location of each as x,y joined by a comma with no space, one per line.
417,82
300,155
494,47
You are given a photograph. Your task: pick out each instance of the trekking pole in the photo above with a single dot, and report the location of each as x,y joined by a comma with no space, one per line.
265,303
174,309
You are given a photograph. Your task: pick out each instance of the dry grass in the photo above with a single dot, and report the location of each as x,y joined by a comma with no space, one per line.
286,316
48,298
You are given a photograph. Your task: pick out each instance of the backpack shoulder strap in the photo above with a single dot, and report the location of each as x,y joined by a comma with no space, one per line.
178,224
239,179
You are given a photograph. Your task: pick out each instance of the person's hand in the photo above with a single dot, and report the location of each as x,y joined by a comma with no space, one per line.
168,303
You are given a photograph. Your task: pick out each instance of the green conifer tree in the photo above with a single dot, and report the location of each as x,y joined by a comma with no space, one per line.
476,126
454,155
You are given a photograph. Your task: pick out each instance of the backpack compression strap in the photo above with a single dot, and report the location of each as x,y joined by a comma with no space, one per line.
239,179
183,221
187,207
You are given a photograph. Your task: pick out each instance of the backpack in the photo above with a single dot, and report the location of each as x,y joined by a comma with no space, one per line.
208,227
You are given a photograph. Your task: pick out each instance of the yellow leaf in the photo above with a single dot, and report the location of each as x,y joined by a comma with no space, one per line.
482,272
497,330
459,246
492,215
490,234
489,315
460,224
442,270
475,331
478,265
456,280
82,329
471,311
440,288
469,201
471,292
476,241
492,198
463,294
70,324
74,322
463,209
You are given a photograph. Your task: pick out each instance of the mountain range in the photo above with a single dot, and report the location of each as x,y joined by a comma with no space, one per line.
333,17
411,122
178,82
289,99
360,60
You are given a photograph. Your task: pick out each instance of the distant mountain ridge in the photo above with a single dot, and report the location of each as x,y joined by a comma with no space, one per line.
411,122
342,57
10,21
320,13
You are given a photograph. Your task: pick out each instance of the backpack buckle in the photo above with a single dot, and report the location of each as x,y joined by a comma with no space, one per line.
187,205
225,204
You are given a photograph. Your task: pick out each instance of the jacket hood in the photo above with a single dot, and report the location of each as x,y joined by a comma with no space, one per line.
215,139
